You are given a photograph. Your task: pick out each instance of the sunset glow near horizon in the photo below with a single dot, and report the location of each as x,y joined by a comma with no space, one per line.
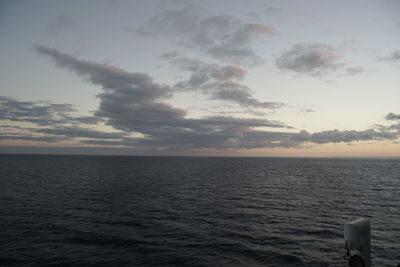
201,78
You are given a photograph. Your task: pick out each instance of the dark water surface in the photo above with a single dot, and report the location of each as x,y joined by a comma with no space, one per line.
170,211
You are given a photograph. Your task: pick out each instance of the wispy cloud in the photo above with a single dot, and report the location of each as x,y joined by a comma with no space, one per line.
218,82
306,109
310,58
354,70
222,37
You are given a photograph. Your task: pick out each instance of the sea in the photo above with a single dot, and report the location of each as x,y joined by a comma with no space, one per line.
70,210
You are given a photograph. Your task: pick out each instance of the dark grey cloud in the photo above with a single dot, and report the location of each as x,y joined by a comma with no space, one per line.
220,36
71,132
392,116
137,85
170,55
30,137
310,58
129,100
209,140
218,82
6,127
212,132
282,139
395,127
336,136
57,134
132,102
41,112
259,139
53,121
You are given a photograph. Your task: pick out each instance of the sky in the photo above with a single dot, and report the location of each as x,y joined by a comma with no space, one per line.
287,78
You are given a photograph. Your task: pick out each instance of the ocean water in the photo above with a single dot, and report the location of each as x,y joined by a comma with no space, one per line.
171,211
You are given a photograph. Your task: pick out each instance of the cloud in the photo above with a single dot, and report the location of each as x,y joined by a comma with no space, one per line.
42,113
240,94
395,127
306,109
354,70
394,57
218,82
392,116
132,103
202,72
212,132
53,122
347,136
229,72
71,132
310,58
170,55
245,33
109,77
222,37
129,101
259,139
59,133
29,137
